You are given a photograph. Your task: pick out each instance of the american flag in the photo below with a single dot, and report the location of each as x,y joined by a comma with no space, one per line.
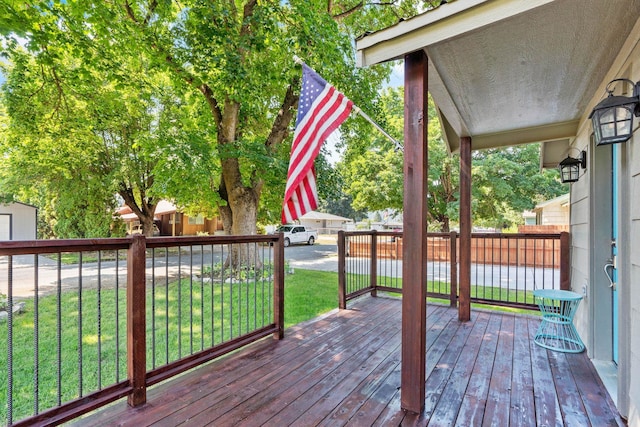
321,109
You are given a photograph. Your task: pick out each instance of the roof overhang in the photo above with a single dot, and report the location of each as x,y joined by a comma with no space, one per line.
508,72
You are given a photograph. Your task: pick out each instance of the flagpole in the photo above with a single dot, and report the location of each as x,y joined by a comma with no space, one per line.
398,146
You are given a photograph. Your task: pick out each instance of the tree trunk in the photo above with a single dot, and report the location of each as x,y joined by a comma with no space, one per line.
242,207
145,211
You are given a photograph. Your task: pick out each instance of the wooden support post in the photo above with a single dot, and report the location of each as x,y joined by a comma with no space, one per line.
136,320
453,268
342,279
565,261
414,249
373,267
464,306
278,287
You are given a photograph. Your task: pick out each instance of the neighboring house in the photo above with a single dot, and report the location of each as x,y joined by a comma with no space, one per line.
511,72
551,216
553,212
325,223
18,221
171,222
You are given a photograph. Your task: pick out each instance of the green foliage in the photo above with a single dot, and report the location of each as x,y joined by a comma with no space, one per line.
508,181
373,169
190,101
505,181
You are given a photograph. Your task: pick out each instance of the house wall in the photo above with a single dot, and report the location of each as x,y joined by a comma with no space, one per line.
209,226
21,218
183,228
555,214
591,244
325,226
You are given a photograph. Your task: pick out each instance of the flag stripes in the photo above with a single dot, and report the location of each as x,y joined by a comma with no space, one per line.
321,110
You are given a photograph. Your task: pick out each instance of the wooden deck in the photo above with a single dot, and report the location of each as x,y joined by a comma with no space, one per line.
344,369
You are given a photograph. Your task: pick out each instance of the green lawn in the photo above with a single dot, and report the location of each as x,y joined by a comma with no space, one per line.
182,324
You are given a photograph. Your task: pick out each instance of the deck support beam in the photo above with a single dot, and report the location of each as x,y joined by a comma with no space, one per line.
414,251
464,306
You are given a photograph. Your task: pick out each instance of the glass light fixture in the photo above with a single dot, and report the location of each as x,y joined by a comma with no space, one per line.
612,118
570,167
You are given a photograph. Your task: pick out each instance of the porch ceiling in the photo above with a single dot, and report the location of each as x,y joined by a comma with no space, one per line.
508,72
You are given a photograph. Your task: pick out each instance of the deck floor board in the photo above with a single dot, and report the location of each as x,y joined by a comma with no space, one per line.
344,369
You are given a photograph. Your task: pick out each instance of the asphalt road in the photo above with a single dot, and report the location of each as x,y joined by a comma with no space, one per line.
23,275
321,256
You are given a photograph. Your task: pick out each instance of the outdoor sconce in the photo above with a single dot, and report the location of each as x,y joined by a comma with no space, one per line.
570,167
612,118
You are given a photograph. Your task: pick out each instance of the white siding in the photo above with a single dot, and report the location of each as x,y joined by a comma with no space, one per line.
23,222
589,229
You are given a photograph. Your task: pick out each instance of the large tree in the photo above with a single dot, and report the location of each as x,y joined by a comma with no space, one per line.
230,60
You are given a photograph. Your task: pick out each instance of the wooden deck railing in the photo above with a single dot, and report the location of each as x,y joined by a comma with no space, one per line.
124,314
505,268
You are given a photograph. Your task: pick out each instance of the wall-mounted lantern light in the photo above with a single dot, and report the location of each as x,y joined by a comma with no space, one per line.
612,118
570,167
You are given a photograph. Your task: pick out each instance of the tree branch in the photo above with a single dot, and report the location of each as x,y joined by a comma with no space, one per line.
357,7
130,13
152,8
280,128
348,12
213,103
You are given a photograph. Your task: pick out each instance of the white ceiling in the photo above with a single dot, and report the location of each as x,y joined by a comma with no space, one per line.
508,72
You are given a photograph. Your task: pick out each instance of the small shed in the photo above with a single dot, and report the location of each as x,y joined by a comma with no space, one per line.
18,221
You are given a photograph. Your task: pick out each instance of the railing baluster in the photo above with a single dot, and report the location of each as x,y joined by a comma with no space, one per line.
213,299
99,320
36,335
222,286
10,340
190,299
59,332
80,343
153,308
166,305
201,297
179,330
117,308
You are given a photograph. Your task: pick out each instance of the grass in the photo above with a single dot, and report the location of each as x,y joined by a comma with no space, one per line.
189,315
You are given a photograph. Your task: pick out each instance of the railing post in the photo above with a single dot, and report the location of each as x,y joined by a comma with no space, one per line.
453,268
565,261
342,280
373,268
278,287
136,320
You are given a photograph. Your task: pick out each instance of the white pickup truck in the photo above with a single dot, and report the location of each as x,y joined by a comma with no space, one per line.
298,234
